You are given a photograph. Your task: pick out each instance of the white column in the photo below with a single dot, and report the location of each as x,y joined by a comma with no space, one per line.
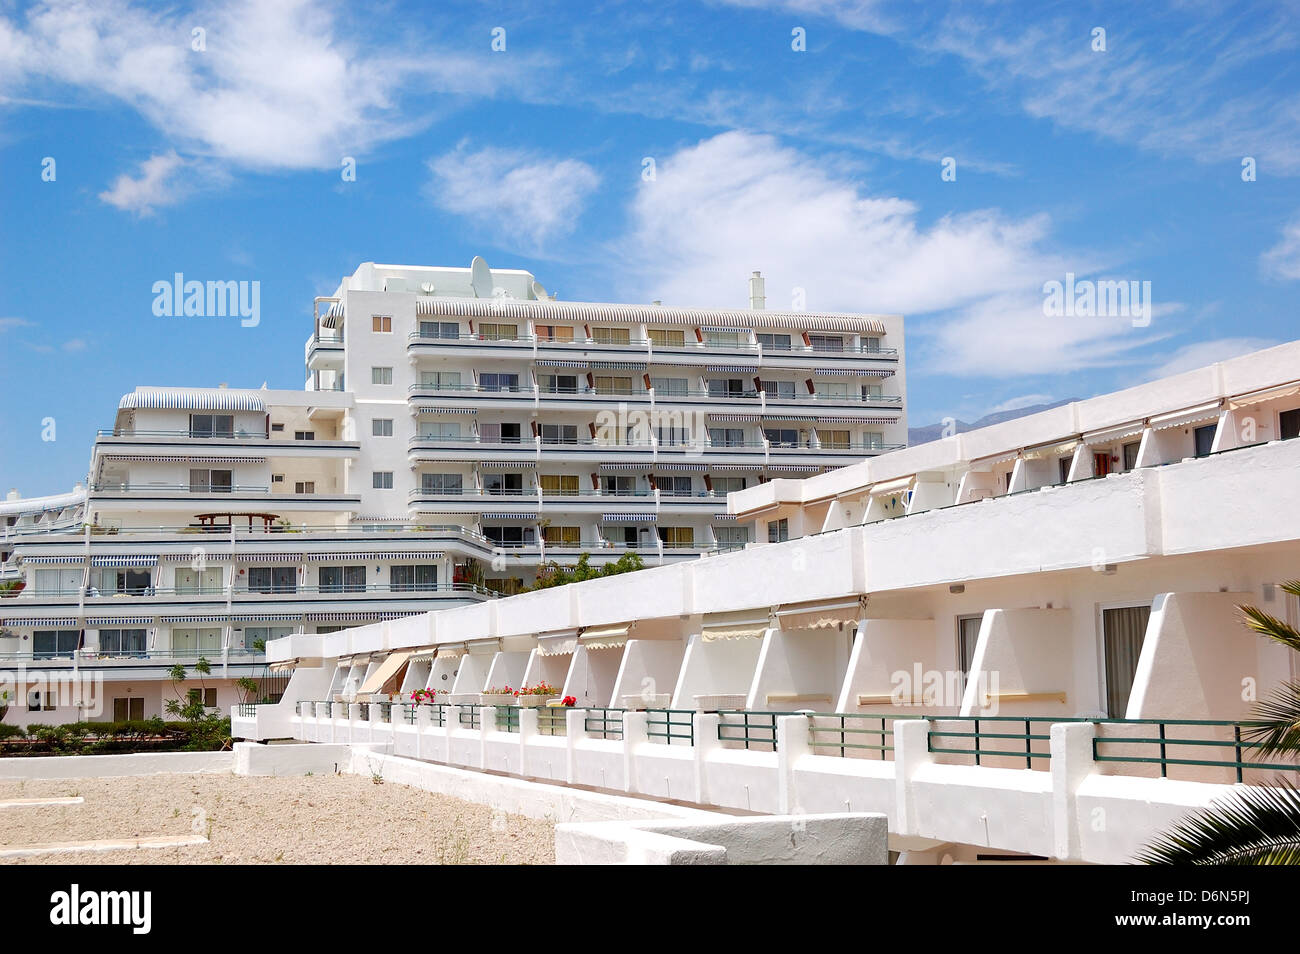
487,719
634,736
574,729
1072,762
423,719
706,740
527,732
911,752
791,745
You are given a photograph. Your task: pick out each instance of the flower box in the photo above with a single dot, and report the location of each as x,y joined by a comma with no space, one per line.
638,701
535,701
497,698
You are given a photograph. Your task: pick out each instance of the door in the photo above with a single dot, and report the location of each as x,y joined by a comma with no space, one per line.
1123,630
968,633
1101,464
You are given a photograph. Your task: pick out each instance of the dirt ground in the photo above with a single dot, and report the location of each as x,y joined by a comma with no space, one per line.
313,819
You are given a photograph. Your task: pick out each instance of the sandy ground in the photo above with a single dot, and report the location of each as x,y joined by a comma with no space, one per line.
315,819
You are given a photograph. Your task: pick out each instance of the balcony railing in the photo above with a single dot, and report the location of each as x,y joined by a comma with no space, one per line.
206,435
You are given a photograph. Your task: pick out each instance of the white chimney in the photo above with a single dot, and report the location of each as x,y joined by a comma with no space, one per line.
14,494
757,292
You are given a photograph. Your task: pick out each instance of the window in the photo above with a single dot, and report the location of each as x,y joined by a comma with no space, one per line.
128,708
510,536
618,486
781,436
873,440
66,582
440,431
616,336
726,339
277,478
304,486
674,486
774,342
1289,424
122,642
382,480
196,641
870,344
440,380
826,342
835,440
559,433
208,697
272,579
405,579
677,536
731,536
441,483
498,382
277,428
204,481
968,632
778,389
667,337
562,536
670,386
212,425
48,643
499,433
1204,438
304,435
439,329
503,484
728,485
381,375
381,324
565,485
554,332
1101,464
872,392
1123,630
558,383
1063,466
778,531
107,582
342,579
612,385
673,436
726,387
1131,454
832,389
381,427
209,580
727,436
497,332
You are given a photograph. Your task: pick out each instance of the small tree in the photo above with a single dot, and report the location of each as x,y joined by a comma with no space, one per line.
247,687
207,730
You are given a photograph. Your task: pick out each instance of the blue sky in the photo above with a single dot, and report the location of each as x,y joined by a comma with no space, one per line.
821,167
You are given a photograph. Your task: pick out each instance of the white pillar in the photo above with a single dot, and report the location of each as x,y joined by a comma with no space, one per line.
423,719
634,736
1072,762
911,752
487,719
574,729
791,745
527,732
706,740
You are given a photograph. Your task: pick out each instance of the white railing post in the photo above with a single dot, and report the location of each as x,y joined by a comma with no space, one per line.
527,732
705,730
423,720
635,735
487,719
575,720
1072,762
911,752
791,746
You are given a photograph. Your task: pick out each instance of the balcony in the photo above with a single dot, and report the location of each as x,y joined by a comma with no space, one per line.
125,440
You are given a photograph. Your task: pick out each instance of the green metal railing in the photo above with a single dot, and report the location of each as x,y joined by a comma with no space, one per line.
363,711
385,711
1007,742
604,723
670,725
408,712
552,720
843,733
749,728
1160,736
507,718
469,716
246,710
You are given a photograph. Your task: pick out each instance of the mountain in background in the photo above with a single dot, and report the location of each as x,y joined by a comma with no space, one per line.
932,432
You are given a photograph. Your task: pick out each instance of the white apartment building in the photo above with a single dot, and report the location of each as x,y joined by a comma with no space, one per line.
459,428
1020,640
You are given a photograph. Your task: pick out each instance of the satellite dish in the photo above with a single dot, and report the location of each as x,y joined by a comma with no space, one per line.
480,277
428,288
538,291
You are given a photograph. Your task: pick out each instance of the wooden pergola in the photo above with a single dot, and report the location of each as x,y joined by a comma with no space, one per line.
208,521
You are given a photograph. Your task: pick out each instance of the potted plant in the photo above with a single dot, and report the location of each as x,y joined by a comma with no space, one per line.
531,697
497,696
426,697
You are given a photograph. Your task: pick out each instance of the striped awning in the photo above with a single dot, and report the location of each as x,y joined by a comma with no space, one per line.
202,553
1192,415
353,617
732,368
795,468
39,621
119,620
266,617
195,619
511,515
193,399
558,363
125,559
857,372
428,409
625,467
52,560
367,555
336,310
504,464
574,311
619,366
1114,433
879,420
183,459
268,558
734,418
628,518
694,468
1268,394
754,466
722,517
823,614
844,420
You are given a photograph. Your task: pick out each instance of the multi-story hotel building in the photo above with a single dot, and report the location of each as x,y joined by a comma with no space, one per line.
459,428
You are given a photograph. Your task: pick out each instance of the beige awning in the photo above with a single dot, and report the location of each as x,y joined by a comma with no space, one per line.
423,654
605,637
826,614
282,666
517,644
896,486
387,669
451,649
1191,415
557,645
745,624
993,459
1055,449
345,662
1112,434
482,647
1268,394
362,660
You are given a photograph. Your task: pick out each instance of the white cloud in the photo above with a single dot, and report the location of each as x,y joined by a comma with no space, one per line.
1204,353
1283,259
1025,400
282,85
156,185
512,193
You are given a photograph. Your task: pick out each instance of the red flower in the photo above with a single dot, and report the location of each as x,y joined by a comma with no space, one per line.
569,701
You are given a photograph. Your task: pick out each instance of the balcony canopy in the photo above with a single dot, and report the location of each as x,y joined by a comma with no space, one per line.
193,399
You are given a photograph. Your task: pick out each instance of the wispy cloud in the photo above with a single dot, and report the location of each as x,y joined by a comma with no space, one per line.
514,194
1025,400
1282,261
155,185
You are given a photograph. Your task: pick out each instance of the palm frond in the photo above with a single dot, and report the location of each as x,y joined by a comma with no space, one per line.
1276,730
1271,627
1292,587
1251,826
